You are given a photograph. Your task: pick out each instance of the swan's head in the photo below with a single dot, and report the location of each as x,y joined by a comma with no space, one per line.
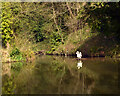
77,52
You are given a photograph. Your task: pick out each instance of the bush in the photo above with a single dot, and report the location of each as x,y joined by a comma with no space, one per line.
16,54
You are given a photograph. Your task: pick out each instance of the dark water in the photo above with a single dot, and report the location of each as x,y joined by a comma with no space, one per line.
62,75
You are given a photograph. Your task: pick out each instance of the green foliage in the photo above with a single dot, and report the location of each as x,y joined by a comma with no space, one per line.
48,52
55,40
7,32
53,22
39,35
16,54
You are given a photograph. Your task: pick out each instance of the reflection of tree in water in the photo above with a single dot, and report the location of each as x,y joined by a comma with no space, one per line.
8,85
51,76
8,79
74,81
79,84
6,69
56,75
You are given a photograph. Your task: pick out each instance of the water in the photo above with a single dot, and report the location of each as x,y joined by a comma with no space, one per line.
61,75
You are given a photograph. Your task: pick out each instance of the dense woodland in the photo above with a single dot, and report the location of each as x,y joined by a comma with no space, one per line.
30,28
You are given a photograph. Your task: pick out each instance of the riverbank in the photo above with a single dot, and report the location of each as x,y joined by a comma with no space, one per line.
15,55
90,44
7,59
94,46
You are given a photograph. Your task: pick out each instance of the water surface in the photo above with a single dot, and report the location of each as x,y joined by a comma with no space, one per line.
61,75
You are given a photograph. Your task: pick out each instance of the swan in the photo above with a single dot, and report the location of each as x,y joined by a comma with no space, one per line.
79,54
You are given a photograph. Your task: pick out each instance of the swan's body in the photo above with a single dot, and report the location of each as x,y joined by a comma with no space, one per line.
79,54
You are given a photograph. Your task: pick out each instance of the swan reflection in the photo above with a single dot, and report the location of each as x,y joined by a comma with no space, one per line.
79,64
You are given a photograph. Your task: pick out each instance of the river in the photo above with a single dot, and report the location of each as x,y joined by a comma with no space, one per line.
62,75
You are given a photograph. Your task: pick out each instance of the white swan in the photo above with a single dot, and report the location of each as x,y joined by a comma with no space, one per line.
79,54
